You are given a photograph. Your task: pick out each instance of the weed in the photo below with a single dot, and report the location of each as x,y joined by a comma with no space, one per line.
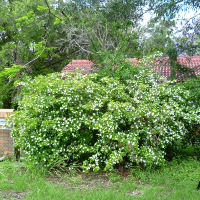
114,176
177,180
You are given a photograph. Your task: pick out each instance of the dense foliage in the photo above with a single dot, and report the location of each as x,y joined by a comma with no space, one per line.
193,86
100,122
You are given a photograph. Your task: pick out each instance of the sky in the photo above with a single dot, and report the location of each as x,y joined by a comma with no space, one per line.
181,17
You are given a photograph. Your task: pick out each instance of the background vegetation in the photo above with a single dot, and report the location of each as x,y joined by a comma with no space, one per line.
41,36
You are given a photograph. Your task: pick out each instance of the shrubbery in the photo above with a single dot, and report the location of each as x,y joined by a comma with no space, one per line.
100,123
193,86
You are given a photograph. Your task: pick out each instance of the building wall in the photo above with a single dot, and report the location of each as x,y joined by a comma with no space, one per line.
6,142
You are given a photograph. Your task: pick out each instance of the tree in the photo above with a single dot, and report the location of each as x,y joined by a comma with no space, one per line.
26,35
157,36
169,8
93,27
189,41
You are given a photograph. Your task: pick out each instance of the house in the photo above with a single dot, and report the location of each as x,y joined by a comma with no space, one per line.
84,66
162,65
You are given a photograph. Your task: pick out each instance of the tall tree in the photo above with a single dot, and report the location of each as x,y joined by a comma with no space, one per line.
157,36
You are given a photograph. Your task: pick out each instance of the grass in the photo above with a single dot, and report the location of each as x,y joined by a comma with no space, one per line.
176,181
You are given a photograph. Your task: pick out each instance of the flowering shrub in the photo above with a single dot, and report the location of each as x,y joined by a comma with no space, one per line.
101,122
193,85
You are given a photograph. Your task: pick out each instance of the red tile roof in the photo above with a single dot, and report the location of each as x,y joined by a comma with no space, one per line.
85,65
162,64
192,62
132,60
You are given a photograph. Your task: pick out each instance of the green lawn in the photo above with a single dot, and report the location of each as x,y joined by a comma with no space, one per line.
178,181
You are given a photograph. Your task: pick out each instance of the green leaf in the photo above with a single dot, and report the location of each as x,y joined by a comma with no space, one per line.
42,8
11,72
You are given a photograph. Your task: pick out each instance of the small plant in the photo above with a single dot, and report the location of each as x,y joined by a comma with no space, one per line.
113,176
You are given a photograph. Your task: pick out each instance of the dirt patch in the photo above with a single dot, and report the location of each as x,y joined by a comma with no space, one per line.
9,194
81,181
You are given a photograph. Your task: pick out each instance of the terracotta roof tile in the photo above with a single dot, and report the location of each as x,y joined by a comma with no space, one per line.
81,64
132,60
162,64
